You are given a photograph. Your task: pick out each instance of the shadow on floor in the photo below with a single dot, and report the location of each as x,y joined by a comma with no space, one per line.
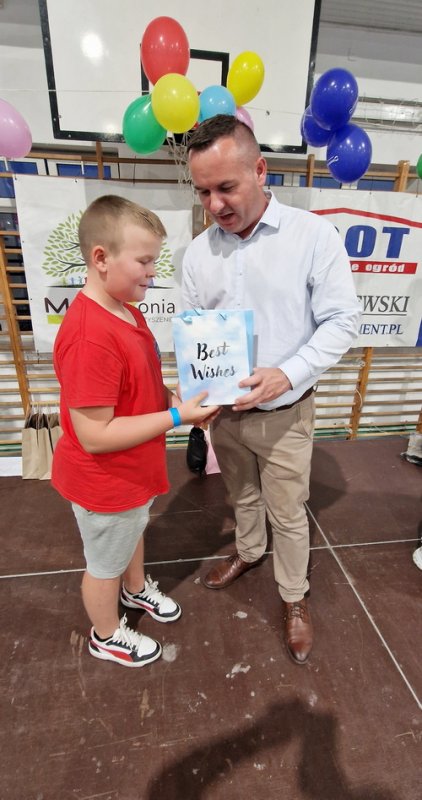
320,776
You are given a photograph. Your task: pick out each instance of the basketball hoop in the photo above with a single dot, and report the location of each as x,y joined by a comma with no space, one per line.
179,154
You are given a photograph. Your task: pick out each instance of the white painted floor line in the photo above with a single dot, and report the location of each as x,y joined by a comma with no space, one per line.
37,574
368,614
365,544
208,558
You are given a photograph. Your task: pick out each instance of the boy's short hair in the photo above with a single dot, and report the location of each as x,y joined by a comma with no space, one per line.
102,222
217,127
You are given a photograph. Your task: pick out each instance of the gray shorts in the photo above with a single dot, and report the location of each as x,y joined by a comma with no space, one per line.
110,540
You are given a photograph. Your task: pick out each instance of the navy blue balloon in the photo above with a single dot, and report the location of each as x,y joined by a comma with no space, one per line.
334,98
311,132
349,153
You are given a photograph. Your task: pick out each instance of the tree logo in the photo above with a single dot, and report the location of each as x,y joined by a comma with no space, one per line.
62,256
63,259
164,267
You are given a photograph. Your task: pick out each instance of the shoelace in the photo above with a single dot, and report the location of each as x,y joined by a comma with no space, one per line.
151,590
124,635
295,610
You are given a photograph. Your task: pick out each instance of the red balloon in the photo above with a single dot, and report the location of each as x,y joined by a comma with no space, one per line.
164,49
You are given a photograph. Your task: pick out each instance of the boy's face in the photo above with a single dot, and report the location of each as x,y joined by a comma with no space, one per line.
128,272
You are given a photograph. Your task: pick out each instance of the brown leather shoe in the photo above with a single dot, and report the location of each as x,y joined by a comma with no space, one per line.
227,571
298,632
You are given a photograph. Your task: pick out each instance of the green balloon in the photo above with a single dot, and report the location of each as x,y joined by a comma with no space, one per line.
419,166
141,131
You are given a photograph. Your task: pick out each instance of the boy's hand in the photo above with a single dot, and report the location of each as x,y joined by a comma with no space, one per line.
193,413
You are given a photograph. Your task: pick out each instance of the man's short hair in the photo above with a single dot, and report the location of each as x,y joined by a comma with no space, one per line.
103,220
222,125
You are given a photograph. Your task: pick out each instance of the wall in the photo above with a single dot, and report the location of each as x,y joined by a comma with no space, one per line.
387,65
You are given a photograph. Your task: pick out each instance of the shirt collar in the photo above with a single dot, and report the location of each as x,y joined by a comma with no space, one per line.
271,215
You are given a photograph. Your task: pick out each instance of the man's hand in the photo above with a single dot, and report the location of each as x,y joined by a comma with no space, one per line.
266,384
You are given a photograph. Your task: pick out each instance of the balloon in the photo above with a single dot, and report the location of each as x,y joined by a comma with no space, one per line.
419,167
245,78
141,131
175,103
349,153
311,132
15,136
164,49
244,116
334,98
215,100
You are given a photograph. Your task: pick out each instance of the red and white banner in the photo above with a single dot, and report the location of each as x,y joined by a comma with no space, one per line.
382,233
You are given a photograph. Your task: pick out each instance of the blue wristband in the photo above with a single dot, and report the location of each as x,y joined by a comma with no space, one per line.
177,419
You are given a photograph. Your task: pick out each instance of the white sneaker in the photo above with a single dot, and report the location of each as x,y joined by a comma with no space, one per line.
125,647
161,607
417,557
414,449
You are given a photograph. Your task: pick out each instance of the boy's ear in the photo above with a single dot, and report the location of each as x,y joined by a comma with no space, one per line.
98,258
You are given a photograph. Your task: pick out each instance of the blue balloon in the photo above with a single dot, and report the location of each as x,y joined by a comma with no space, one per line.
334,98
216,100
311,132
349,153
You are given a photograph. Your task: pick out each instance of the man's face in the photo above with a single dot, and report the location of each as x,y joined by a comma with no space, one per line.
229,178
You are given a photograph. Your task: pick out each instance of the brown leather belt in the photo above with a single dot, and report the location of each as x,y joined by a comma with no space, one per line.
281,408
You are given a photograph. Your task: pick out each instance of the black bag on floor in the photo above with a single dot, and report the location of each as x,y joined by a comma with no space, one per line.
196,454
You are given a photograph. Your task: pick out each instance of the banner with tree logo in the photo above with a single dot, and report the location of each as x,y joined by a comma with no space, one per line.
49,211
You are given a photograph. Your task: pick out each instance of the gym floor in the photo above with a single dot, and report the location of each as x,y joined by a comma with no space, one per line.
224,713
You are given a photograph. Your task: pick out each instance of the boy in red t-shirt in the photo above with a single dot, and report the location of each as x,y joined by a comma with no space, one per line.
115,410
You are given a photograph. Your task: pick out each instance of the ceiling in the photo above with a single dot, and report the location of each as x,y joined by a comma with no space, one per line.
382,15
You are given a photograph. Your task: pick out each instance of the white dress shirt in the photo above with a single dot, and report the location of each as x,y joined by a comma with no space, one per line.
294,272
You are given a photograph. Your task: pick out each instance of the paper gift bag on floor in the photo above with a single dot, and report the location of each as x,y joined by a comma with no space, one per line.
39,438
214,351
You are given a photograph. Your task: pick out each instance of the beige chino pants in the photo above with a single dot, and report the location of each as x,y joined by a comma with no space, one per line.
265,461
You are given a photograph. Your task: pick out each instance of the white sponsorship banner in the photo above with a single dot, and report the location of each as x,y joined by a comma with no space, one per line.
382,233
49,211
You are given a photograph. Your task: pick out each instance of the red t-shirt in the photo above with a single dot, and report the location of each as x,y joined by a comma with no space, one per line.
101,360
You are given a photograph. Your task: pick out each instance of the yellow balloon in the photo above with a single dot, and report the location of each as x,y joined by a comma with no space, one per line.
246,76
175,102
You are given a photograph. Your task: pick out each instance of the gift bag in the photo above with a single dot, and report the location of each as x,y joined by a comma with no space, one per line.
212,467
197,450
39,437
214,351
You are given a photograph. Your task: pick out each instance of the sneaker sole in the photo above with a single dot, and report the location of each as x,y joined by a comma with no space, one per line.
417,558
155,616
108,657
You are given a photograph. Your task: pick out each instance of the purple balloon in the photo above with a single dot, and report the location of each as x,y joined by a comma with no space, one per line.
15,136
244,116
349,153
334,98
311,132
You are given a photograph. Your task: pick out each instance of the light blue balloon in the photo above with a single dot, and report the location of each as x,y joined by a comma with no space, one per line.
216,100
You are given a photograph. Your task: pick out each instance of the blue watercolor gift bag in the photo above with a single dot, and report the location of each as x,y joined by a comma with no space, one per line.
214,351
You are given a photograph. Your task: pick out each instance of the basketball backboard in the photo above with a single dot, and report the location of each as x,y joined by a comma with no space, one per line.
92,53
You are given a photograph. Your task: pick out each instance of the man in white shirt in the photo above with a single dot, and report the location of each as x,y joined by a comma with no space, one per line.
292,269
